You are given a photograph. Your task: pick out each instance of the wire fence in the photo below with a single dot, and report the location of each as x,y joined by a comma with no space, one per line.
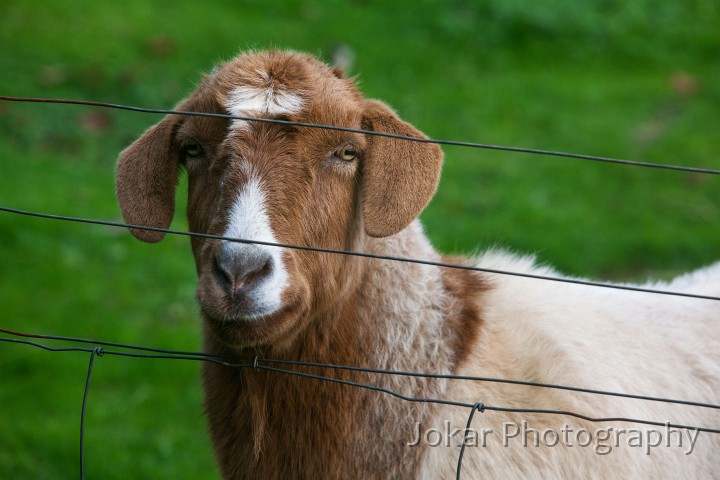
271,365
98,348
456,143
575,281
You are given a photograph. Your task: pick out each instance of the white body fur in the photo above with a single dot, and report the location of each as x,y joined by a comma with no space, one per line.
597,338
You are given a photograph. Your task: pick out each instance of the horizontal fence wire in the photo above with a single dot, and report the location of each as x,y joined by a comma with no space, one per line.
227,360
271,365
575,281
257,363
456,143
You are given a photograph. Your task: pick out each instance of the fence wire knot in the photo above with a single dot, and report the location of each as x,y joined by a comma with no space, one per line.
255,363
480,407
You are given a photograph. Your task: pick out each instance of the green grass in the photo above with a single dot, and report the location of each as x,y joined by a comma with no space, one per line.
626,79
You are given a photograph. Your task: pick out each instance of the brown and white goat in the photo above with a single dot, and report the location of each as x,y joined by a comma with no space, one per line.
344,190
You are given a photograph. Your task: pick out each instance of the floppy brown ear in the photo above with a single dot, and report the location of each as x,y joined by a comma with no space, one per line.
145,180
399,176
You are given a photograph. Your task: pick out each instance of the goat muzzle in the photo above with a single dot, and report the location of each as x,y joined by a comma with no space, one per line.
240,270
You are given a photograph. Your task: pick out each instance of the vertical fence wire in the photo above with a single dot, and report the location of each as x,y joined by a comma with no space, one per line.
96,352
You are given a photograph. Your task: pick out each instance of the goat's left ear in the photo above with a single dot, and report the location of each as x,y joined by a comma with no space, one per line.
145,180
399,176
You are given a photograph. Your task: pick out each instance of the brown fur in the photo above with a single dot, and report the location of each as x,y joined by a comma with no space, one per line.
336,309
465,288
399,176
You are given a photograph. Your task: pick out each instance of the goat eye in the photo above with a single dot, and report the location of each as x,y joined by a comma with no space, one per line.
347,153
192,150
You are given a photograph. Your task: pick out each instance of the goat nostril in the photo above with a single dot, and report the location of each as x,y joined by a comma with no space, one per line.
241,274
252,277
221,274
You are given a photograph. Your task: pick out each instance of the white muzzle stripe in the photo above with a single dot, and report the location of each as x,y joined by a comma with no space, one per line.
248,220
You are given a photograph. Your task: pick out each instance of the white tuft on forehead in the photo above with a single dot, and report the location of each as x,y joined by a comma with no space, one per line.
251,101
268,100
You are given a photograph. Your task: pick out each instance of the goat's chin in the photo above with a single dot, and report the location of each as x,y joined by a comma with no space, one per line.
238,330
255,319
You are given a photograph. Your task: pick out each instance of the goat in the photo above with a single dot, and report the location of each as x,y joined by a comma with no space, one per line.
351,191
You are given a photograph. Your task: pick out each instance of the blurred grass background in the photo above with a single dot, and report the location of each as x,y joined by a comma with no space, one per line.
631,79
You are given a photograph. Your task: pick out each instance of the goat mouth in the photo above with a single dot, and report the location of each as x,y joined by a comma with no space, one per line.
224,306
247,330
